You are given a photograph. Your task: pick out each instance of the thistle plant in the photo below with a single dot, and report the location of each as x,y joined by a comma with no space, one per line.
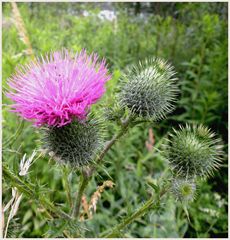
56,93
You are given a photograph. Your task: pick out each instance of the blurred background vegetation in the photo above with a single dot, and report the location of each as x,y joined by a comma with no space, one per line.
193,37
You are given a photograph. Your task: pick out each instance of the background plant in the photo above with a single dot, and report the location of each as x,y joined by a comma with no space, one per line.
194,38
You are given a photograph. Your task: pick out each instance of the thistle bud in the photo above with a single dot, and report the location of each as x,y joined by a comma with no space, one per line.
75,144
149,89
194,151
183,190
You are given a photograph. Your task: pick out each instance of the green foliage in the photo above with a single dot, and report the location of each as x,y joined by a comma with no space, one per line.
194,37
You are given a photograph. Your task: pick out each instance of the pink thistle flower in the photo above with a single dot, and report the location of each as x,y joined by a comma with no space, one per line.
57,89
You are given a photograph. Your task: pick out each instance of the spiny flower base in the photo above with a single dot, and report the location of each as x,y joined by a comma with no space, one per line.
149,89
75,144
194,151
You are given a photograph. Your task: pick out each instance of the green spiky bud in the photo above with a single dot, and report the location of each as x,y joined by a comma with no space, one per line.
183,190
75,144
194,151
149,89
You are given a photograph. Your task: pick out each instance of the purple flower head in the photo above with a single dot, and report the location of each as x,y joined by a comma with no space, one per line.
58,88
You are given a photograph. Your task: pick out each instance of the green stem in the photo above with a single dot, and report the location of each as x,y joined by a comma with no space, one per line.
28,190
77,204
67,186
152,203
124,127
87,173
123,130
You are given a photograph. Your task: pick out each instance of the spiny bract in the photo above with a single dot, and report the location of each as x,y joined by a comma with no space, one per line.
193,151
75,144
149,89
183,190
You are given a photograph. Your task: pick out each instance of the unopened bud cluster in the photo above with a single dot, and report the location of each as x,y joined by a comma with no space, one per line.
193,152
57,94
